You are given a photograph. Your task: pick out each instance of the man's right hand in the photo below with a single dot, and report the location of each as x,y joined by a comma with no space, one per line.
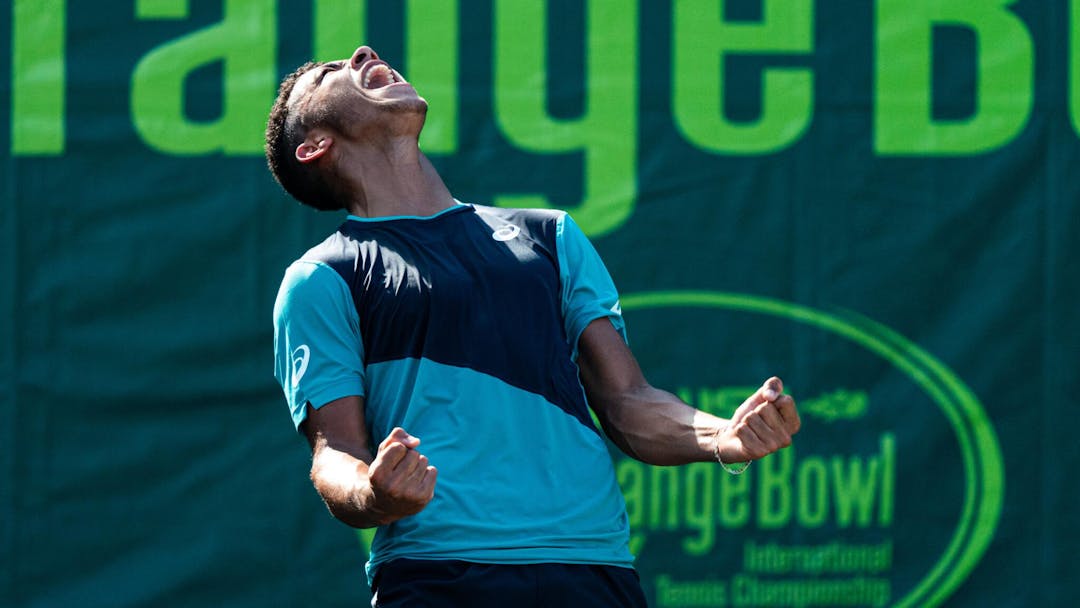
361,489
401,481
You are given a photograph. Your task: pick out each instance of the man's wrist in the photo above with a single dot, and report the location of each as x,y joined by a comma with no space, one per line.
734,468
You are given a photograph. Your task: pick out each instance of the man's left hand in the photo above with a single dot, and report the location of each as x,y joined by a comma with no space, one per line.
763,424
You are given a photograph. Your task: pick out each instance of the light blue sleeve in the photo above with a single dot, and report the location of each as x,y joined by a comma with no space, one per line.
318,353
588,293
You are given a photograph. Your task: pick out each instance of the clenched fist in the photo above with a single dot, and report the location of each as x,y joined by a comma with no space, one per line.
402,483
763,424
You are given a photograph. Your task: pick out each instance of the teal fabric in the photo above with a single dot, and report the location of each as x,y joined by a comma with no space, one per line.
588,292
520,480
318,351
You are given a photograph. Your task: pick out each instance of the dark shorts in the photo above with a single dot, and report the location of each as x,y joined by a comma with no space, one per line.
439,583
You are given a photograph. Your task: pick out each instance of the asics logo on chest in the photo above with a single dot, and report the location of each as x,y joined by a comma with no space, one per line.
506,233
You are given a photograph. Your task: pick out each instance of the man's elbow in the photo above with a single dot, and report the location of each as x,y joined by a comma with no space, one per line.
338,500
348,516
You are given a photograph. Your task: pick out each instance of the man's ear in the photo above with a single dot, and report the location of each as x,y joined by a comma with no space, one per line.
315,145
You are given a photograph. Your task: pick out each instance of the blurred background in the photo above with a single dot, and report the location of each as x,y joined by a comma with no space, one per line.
877,201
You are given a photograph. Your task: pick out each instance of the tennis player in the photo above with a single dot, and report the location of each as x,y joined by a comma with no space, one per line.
441,359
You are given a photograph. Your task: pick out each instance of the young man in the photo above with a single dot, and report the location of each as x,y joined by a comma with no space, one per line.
474,328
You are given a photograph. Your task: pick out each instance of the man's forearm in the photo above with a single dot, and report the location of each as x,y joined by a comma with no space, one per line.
656,427
342,481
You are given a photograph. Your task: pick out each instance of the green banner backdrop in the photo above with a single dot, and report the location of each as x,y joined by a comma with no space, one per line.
876,201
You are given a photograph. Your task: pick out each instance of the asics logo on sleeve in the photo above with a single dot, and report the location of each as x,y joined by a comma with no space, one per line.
300,358
506,233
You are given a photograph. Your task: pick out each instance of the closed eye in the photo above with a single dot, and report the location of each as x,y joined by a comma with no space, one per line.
330,67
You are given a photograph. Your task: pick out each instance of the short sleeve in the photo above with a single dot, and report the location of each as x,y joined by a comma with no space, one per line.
588,293
318,353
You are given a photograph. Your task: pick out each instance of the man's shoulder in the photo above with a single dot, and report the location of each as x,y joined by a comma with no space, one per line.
317,267
515,215
540,224
305,283
333,249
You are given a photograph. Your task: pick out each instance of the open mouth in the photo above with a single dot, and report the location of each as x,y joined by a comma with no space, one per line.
378,75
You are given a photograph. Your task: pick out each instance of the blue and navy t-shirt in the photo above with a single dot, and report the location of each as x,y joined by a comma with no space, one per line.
462,328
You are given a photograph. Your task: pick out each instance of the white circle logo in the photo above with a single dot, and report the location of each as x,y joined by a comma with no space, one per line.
506,233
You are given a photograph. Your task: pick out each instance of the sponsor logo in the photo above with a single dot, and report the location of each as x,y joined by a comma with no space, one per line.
506,233
300,358
849,514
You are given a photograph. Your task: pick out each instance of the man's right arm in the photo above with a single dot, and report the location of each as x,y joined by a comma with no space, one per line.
363,489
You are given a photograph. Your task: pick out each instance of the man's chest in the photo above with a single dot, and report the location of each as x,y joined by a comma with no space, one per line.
467,289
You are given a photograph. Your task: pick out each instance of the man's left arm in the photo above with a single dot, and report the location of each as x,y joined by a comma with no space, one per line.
656,427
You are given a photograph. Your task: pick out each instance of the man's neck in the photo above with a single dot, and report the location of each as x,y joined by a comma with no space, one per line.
396,179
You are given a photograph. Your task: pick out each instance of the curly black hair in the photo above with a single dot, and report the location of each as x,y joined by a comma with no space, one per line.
284,132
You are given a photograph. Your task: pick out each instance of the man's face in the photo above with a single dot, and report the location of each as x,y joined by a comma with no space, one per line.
356,95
